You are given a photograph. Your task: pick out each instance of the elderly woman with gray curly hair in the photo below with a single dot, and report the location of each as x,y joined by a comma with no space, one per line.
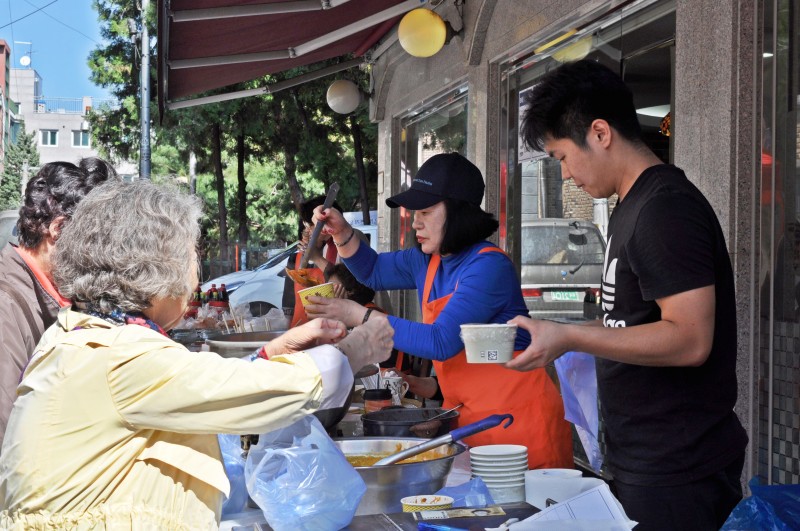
114,423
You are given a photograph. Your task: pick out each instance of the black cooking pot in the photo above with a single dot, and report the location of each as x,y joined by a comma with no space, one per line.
398,421
329,418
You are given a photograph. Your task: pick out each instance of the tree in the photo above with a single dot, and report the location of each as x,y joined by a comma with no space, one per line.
284,146
115,66
21,157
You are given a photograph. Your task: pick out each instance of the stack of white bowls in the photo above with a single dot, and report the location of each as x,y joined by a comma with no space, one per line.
502,467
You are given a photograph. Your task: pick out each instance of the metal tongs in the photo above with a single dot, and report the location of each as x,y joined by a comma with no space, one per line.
329,199
301,275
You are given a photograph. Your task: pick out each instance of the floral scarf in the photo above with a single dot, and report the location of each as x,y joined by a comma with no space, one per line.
118,317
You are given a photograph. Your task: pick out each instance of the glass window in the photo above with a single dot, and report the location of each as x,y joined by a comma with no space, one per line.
777,193
80,138
636,41
437,126
49,137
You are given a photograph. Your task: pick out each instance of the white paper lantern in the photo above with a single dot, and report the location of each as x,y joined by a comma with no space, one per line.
343,96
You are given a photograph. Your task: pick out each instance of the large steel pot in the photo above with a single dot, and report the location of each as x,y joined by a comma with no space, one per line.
399,421
387,485
244,343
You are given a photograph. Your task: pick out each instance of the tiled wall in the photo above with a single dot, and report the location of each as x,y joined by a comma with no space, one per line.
785,415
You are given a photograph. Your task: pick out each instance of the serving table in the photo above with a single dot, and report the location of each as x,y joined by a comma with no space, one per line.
393,521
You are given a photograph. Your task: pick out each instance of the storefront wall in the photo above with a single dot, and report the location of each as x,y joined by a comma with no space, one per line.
716,117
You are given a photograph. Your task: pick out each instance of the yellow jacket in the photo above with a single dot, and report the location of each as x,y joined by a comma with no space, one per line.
113,427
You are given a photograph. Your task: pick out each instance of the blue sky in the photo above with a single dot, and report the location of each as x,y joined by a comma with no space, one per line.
61,35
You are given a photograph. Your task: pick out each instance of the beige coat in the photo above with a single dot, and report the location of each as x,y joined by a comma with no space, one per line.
113,427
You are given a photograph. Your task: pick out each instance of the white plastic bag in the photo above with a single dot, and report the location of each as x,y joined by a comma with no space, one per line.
232,459
301,480
578,377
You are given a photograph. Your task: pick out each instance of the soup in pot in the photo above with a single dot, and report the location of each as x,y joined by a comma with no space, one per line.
363,460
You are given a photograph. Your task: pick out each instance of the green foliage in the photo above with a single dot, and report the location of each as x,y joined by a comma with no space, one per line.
295,145
18,155
115,66
271,218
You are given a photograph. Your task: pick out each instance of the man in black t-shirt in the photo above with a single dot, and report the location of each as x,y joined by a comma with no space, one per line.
666,353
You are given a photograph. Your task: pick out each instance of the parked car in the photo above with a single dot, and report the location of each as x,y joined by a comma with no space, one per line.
562,268
263,286
8,226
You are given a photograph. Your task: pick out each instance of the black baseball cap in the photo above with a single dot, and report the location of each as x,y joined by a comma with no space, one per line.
443,176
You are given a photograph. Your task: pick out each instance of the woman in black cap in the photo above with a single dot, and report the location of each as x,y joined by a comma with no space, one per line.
460,278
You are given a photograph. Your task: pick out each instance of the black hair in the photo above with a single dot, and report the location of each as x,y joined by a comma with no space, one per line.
55,192
307,212
568,99
356,291
466,224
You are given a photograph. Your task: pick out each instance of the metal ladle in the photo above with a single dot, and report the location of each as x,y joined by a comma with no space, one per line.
456,435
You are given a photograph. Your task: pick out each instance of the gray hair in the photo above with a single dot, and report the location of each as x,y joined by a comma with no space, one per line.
128,244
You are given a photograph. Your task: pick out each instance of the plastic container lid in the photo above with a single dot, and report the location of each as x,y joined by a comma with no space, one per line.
377,394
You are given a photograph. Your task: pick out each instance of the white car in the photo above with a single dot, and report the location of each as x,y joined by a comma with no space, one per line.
263,286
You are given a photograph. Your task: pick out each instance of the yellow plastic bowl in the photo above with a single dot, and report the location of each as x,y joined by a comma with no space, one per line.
426,502
321,290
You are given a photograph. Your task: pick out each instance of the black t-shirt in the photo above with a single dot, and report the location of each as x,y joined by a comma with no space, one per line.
668,425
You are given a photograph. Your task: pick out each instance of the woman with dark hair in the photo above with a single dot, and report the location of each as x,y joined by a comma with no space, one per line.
460,278
28,300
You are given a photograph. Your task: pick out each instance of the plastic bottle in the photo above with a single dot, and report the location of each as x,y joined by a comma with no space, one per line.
213,293
223,293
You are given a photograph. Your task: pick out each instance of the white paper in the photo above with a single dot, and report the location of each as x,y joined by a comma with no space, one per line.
593,510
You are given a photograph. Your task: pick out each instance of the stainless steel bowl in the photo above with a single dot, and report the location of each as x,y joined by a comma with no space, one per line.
241,344
188,336
386,485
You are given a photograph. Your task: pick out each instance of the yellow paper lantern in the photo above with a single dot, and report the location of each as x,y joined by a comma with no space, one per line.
575,51
422,32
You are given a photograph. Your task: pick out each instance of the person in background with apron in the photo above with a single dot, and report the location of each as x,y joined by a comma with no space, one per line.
460,278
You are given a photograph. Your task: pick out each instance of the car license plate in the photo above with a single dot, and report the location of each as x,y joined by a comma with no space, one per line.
565,296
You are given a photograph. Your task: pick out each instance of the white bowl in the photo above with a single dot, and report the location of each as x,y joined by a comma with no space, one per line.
510,461
504,482
483,468
511,478
499,451
507,494
498,471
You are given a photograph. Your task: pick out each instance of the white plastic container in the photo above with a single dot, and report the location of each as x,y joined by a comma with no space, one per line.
489,343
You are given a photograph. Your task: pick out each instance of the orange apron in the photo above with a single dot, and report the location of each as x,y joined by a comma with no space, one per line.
487,389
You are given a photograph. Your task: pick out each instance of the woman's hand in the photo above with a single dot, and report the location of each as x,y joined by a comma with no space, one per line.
349,312
310,334
424,386
369,343
335,224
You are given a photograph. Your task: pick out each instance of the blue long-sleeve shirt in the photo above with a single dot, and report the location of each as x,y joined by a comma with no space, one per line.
488,292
